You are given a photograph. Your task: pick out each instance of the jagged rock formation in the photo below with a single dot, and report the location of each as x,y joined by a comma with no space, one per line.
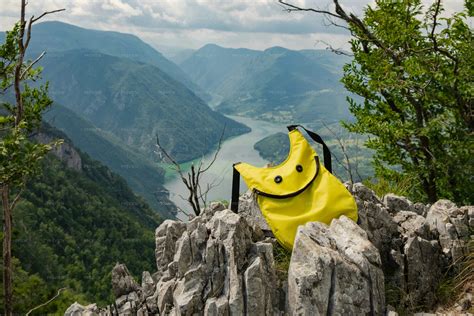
221,263
335,270
416,251
65,152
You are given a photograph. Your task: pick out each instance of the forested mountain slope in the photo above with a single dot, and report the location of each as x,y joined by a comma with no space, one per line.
143,176
135,101
74,222
54,36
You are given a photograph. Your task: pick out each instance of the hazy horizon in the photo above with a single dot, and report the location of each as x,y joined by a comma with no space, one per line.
188,24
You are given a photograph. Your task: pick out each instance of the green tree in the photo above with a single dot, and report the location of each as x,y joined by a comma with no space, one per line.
414,70
19,154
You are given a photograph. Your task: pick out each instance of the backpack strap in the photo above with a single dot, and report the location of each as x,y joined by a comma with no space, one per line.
319,140
234,204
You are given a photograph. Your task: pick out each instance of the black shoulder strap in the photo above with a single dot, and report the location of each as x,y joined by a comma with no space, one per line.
318,139
234,204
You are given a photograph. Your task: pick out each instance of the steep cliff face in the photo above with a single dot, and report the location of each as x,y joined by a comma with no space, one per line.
221,263
64,152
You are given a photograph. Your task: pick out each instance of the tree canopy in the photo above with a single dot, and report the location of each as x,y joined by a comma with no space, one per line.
413,67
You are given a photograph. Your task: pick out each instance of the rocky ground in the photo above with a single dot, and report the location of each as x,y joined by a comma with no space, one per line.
221,263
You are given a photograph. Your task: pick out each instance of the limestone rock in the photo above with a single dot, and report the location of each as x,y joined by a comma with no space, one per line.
65,152
423,271
396,203
248,208
77,309
452,224
210,265
411,224
335,270
122,281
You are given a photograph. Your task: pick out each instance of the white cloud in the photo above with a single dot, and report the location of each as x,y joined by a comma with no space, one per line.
193,23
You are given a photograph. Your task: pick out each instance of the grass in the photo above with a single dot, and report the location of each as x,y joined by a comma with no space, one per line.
402,186
282,259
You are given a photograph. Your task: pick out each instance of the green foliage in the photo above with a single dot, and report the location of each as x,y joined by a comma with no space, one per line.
274,148
82,224
19,155
143,176
30,290
417,86
282,259
400,185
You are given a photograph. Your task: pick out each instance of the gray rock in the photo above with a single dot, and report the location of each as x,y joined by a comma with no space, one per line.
122,281
396,203
423,271
77,309
148,285
249,209
375,219
216,269
64,152
411,224
209,211
166,236
335,270
452,224
220,263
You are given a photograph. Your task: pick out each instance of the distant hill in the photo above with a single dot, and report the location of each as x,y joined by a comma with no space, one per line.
276,84
144,177
274,148
57,36
213,67
176,54
135,101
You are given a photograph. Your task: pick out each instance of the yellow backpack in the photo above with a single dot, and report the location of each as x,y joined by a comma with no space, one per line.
297,191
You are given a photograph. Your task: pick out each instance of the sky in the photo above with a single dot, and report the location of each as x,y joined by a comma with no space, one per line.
169,24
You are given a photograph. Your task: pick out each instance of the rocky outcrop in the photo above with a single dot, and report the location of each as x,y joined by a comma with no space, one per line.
210,265
77,309
416,251
122,281
335,270
453,225
65,152
221,263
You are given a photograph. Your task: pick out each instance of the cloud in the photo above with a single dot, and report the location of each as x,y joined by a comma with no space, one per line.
193,23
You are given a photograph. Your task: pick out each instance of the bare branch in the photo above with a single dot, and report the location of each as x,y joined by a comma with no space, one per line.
46,13
347,166
337,51
217,151
16,199
22,76
168,156
46,303
291,7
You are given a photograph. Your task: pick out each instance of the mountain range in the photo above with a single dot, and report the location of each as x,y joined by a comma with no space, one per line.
276,84
114,93
58,36
135,101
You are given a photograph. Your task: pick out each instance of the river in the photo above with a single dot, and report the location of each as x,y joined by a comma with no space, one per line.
239,148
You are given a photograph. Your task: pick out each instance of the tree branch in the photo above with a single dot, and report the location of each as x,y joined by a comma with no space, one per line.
292,7
22,76
46,303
